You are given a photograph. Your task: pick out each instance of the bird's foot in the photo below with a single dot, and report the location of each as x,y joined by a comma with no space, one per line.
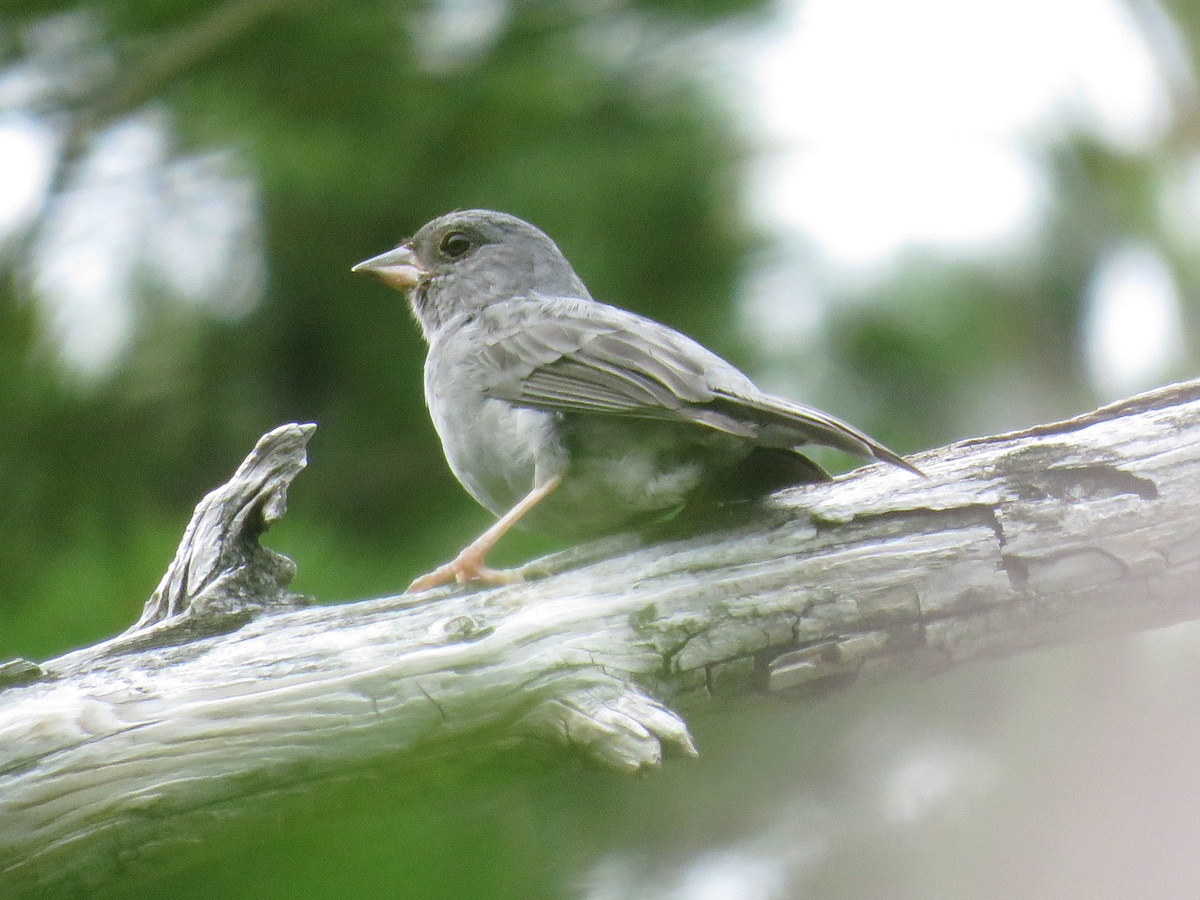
467,566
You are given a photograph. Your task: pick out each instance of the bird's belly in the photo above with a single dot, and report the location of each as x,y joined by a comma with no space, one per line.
497,451
627,471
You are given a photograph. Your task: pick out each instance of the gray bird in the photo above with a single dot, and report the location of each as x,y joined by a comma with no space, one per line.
572,416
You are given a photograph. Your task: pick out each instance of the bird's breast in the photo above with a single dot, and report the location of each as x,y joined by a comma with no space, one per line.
496,450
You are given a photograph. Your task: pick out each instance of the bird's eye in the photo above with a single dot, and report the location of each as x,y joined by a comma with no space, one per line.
454,245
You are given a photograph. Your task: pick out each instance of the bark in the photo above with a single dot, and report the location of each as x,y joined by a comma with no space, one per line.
230,690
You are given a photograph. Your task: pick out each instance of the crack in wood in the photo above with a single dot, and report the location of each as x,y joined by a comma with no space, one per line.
1077,484
428,696
903,519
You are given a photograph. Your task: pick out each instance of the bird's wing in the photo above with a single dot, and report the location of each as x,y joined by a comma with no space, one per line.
582,356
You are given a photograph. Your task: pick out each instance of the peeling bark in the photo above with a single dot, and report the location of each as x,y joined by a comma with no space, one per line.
228,690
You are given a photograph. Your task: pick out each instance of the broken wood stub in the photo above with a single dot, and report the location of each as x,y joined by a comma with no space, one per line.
221,574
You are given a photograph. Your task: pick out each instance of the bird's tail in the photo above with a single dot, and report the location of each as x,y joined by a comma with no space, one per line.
785,423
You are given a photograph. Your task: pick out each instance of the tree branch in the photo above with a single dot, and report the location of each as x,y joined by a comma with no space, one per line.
226,692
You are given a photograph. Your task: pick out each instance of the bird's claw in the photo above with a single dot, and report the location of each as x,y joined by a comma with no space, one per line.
463,568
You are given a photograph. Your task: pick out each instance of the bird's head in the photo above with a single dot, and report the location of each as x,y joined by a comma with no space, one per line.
465,261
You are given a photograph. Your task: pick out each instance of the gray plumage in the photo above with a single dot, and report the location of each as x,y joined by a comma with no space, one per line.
528,378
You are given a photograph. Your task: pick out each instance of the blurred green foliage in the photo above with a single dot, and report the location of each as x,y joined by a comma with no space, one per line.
354,139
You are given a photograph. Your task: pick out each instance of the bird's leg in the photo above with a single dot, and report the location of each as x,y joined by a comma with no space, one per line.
468,565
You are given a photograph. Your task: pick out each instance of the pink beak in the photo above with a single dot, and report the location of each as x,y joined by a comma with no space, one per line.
396,268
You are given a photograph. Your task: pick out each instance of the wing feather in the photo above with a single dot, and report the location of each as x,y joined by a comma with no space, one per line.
576,355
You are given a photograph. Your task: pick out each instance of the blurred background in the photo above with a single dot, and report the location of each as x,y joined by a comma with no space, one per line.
935,218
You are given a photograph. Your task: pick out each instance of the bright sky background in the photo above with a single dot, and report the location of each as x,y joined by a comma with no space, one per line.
24,168
888,126
895,126
911,122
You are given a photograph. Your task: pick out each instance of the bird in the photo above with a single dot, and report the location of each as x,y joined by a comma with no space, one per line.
569,416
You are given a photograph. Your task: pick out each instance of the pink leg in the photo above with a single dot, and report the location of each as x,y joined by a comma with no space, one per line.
468,565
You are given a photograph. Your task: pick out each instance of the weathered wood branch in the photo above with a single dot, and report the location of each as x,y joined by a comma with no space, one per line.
228,691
